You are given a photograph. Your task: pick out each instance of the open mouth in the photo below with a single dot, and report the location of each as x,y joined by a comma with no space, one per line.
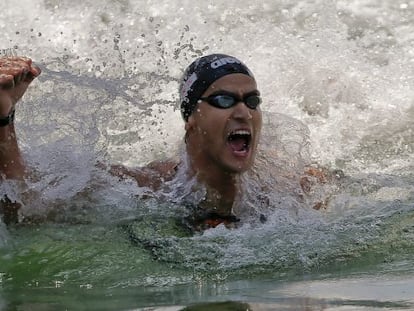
239,141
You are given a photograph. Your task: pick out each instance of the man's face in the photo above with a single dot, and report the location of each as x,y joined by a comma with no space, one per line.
226,138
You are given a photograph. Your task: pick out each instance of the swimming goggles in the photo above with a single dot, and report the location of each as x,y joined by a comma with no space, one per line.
224,101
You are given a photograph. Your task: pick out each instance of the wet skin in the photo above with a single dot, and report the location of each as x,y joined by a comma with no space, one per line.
209,130
216,157
16,73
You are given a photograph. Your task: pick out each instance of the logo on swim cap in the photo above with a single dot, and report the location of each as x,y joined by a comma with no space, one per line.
187,85
223,61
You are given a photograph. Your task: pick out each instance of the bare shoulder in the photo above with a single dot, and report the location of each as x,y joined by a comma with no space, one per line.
166,168
153,175
320,182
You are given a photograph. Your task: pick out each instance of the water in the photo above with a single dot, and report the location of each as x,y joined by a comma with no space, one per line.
337,84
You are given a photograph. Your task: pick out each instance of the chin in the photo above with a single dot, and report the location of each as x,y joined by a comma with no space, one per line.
238,168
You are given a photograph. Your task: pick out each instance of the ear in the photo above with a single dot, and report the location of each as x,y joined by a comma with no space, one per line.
189,125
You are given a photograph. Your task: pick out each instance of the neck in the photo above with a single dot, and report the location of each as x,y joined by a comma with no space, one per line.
221,185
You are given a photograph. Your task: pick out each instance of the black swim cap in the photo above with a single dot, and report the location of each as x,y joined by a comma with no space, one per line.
202,73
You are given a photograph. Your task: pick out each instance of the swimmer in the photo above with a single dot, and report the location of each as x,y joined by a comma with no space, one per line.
220,105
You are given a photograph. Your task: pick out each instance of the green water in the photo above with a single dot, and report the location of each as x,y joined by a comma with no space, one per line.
104,267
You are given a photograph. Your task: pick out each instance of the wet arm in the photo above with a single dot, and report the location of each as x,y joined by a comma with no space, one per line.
11,162
16,73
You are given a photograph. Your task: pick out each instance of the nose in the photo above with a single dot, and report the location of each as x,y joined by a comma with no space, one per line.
241,111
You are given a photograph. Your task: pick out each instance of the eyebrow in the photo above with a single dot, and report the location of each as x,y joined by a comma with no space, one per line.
223,92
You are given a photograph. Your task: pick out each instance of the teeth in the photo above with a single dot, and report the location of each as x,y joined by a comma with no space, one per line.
240,132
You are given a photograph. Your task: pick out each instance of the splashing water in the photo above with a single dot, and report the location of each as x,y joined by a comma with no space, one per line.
337,83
